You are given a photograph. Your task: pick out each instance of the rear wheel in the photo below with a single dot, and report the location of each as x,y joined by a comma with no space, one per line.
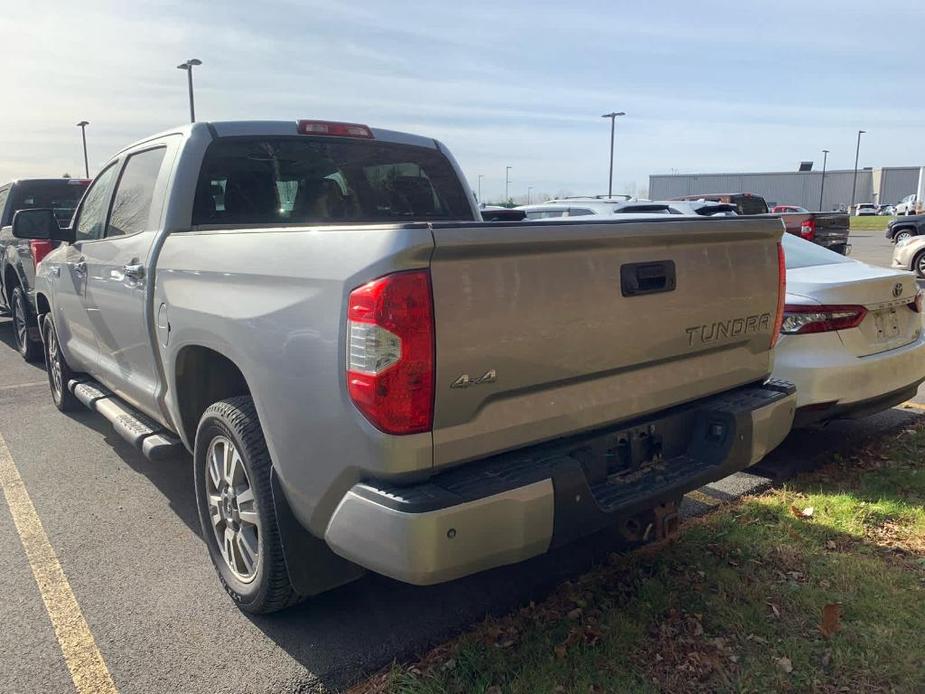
236,510
902,235
918,264
59,373
23,323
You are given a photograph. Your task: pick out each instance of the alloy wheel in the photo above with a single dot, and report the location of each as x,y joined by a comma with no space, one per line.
19,322
232,509
54,364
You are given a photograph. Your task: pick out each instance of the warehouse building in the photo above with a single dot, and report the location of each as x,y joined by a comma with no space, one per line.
882,186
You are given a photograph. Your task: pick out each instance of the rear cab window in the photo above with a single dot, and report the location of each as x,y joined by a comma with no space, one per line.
60,196
325,180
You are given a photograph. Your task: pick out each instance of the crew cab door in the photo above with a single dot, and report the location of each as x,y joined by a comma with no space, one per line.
73,320
118,278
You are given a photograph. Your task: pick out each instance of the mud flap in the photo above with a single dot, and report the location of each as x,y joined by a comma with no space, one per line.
312,567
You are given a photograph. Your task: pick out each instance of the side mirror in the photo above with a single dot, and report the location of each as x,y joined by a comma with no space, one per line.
39,224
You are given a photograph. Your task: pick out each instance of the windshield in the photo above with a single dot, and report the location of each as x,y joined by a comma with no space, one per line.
279,180
59,196
801,253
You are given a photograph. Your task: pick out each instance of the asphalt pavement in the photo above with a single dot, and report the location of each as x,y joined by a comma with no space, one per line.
125,533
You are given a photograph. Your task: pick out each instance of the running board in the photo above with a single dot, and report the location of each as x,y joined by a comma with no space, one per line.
145,434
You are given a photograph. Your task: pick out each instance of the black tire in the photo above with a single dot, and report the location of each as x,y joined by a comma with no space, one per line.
56,365
24,322
902,234
269,590
918,265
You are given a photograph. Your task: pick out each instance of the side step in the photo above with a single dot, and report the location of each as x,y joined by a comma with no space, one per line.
154,440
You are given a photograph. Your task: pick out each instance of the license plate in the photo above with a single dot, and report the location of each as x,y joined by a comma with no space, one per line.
887,322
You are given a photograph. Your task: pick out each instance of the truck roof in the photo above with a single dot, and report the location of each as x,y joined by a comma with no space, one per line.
279,128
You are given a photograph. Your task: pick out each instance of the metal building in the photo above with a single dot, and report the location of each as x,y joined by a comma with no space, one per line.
886,185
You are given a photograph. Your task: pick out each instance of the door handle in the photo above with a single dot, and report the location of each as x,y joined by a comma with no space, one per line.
134,271
80,267
647,278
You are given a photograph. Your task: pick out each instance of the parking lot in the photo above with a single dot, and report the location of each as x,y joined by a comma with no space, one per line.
125,533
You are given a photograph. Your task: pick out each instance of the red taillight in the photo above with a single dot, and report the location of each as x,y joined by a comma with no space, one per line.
40,249
808,229
390,352
800,320
781,293
323,127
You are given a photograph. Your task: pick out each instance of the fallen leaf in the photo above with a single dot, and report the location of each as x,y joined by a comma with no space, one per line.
784,664
831,619
802,513
493,689
774,609
560,651
450,664
574,614
830,544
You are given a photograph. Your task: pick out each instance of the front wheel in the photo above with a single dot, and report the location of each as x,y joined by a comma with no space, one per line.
59,373
23,321
902,235
236,511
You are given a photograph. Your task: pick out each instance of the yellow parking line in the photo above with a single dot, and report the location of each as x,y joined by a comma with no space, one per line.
914,406
86,664
702,498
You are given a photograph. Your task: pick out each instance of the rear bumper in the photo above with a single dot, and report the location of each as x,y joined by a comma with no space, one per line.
517,505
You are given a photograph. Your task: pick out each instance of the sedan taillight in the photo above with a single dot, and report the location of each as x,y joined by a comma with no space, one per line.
800,320
808,229
390,352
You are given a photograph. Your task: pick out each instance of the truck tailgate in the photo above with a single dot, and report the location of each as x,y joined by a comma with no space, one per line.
544,330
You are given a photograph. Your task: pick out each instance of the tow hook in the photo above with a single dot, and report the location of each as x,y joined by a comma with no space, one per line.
659,523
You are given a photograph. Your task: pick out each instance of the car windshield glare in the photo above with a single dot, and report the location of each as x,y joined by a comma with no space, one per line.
801,253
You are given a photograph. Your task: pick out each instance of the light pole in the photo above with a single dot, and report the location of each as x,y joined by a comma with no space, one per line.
507,183
613,120
481,176
83,133
854,184
529,190
188,66
825,159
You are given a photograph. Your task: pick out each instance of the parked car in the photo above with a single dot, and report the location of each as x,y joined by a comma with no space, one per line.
910,205
903,228
781,209
828,229
369,377
852,338
746,203
866,209
909,254
577,206
702,208
18,258
886,210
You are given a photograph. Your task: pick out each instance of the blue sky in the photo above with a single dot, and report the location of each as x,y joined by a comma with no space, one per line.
707,86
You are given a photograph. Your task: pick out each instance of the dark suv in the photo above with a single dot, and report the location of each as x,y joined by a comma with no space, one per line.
18,258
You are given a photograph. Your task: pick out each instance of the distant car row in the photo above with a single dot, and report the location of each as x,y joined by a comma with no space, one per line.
827,229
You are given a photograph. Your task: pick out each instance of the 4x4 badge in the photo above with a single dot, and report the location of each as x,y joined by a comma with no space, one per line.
465,381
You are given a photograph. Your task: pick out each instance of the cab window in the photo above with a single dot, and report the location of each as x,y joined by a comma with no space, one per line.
131,205
91,217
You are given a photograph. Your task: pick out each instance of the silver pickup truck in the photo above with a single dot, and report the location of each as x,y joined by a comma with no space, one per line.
370,377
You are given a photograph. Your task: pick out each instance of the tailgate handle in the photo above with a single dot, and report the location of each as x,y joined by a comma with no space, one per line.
647,278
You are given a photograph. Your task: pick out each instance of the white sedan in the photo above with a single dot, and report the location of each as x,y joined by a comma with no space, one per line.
852,339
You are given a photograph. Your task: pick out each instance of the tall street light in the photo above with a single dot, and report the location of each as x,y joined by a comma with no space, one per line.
613,120
481,176
507,183
188,66
83,133
825,159
854,185
529,191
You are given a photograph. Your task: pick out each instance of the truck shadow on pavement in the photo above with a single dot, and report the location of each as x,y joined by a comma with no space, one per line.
352,631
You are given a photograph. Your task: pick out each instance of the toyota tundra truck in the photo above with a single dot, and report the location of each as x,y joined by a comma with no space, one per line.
370,377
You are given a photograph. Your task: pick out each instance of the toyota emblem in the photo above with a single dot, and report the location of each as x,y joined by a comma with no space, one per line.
897,289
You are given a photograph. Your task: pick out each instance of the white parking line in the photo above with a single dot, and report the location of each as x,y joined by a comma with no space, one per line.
85,662
30,384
